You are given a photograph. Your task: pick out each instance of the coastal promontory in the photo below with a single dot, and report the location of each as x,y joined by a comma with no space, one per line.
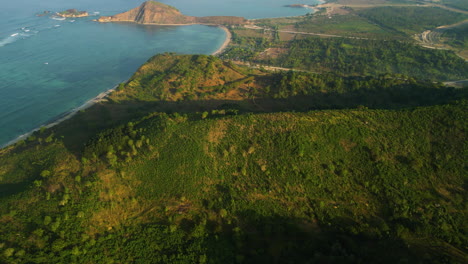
152,12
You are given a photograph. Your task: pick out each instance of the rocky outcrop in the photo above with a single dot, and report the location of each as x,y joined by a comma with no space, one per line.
152,12
73,13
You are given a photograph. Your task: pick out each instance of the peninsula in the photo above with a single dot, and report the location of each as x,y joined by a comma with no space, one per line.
152,12
73,13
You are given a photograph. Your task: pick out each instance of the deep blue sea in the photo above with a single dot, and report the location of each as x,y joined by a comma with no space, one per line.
49,66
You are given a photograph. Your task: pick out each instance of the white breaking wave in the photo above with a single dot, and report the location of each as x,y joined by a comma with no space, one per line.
13,37
7,41
58,18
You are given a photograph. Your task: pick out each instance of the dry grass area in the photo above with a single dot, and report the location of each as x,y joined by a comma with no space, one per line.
286,36
334,9
217,132
118,194
272,53
464,54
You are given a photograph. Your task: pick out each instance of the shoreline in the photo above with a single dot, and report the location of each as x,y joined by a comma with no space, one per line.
64,116
102,96
226,42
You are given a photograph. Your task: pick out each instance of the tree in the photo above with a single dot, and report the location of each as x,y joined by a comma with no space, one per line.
8,252
45,173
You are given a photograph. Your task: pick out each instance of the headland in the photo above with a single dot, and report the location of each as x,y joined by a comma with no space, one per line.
155,13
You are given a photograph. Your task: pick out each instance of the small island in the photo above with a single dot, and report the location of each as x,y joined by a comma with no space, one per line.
73,13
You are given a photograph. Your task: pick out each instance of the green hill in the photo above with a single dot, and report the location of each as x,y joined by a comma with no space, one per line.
326,186
198,83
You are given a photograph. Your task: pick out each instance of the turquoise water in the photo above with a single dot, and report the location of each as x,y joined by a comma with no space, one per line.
48,67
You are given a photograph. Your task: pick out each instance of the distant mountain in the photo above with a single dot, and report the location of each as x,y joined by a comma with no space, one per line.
152,12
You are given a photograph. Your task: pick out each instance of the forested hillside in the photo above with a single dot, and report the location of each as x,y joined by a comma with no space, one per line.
259,178
329,186
197,83
323,138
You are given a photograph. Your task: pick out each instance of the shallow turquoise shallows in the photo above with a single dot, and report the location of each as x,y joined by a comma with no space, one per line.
49,66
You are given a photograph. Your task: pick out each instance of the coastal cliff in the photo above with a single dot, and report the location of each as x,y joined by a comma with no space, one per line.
152,12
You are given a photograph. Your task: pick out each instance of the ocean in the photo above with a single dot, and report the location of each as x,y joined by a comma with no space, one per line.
49,66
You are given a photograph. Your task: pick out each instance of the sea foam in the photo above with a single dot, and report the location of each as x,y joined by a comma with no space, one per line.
58,18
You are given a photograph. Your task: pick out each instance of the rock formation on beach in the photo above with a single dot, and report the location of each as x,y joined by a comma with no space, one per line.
152,12
73,13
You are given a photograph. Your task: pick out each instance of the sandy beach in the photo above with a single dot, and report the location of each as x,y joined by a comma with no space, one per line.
226,41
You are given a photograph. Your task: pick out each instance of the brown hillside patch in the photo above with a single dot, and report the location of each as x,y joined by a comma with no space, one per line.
113,189
258,197
272,53
6,219
285,36
347,145
62,173
113,216
68,164
288,122
115,194
217,132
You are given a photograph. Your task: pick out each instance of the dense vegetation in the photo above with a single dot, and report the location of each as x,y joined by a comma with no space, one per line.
351,25
172,78
327,186
199,160
201,79
411,20
457,36
346,56
186,88
461,4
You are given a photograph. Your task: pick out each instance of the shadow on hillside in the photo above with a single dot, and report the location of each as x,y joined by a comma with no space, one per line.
9,189
78,130
277,239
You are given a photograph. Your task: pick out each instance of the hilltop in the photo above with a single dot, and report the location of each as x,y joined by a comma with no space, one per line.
199,83
152,12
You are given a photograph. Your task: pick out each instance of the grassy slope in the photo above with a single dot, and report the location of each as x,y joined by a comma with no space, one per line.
253,188
172,78
411,20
